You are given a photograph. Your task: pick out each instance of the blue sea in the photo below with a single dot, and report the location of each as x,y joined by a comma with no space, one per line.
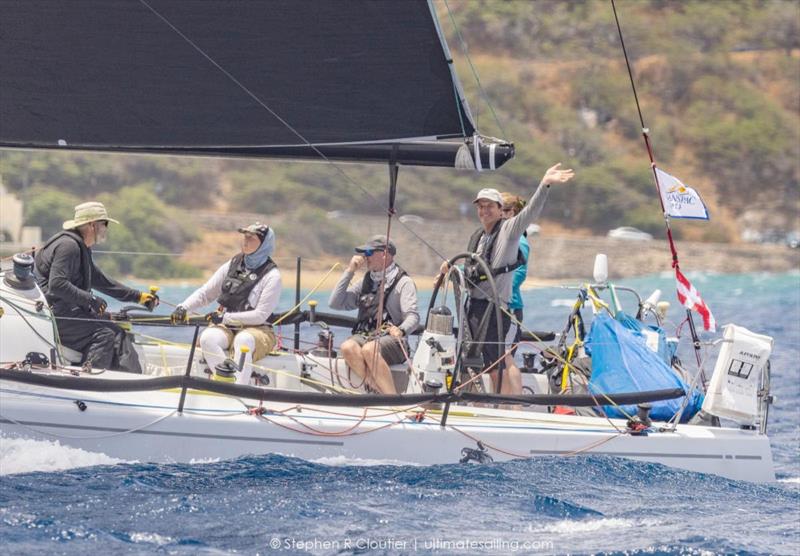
58,500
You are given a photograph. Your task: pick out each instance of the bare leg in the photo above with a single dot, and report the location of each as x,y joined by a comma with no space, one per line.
512,377
379,369
354,358
512,383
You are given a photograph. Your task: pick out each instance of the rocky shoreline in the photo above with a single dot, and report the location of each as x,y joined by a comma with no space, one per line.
559,257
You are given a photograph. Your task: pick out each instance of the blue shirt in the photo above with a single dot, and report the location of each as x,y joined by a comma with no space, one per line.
519,276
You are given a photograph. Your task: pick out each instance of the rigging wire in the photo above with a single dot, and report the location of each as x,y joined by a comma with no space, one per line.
482,91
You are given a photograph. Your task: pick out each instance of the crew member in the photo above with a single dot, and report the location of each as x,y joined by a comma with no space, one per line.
497,242
369,352
512,205
247,289
67,275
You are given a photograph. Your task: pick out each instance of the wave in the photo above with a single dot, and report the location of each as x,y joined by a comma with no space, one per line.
23,455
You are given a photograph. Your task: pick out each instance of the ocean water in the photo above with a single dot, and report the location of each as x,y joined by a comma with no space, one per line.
59,500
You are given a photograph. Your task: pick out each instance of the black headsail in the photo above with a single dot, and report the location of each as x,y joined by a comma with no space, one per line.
355,80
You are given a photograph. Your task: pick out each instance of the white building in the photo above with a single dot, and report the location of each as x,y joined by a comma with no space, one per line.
13,235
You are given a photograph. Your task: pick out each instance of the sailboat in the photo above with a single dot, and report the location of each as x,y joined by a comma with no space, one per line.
349,81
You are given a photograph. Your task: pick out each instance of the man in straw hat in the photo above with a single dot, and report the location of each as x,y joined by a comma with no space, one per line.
67,275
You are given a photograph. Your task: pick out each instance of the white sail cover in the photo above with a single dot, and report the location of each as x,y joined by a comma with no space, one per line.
733,391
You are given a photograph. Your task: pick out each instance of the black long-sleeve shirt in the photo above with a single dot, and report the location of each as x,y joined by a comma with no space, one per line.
67,275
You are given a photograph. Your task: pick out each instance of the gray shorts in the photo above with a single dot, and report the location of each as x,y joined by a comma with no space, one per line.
391,351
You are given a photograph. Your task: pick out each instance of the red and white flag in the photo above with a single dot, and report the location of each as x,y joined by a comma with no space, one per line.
690,298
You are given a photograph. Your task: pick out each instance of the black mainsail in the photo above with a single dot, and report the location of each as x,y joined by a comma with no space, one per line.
353,80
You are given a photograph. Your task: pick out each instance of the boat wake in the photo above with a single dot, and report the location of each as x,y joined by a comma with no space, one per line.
22,455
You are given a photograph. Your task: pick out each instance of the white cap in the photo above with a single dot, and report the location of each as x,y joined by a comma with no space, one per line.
490,195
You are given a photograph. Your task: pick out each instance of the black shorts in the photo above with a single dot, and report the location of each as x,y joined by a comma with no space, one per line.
493,347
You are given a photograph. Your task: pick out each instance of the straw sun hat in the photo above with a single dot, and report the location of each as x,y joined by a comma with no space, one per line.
88,212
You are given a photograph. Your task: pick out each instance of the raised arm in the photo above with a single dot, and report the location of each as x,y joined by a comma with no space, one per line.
528,215
344,296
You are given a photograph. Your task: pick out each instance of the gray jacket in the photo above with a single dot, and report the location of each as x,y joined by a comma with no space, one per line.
401,304
507,244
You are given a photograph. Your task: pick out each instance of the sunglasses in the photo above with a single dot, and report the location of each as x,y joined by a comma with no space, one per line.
370,252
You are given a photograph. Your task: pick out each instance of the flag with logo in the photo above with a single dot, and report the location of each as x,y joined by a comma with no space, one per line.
690,298
680,200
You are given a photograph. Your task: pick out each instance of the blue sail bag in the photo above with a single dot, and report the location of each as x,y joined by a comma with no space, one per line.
622,362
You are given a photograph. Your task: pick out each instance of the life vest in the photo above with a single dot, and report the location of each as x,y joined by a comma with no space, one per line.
474,271
367,320
239,282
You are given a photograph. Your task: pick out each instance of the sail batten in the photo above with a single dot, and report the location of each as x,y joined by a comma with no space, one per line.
217,76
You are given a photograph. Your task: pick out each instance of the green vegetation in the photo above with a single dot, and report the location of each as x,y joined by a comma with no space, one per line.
149,226
718,84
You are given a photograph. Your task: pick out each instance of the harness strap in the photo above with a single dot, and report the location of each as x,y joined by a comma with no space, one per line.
367,322
472,247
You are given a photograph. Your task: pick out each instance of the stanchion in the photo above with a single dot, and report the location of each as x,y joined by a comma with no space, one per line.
188,367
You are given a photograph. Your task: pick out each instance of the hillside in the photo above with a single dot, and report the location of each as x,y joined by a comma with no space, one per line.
719,85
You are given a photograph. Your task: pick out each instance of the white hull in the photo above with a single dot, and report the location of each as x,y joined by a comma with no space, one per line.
145,426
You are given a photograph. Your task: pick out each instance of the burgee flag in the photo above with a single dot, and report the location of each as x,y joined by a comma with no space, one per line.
690,298
680,201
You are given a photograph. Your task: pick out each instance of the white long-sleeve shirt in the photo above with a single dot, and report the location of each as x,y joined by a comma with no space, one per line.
263,297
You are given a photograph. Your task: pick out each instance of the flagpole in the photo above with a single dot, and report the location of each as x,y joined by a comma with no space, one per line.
673,249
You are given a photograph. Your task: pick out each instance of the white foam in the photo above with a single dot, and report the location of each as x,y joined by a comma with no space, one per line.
340,461
792,480
151,538
572,526
23,455
562,302
204,461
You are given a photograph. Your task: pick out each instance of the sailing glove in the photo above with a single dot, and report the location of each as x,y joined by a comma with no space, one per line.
149,299
178,316
98,305
214,317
